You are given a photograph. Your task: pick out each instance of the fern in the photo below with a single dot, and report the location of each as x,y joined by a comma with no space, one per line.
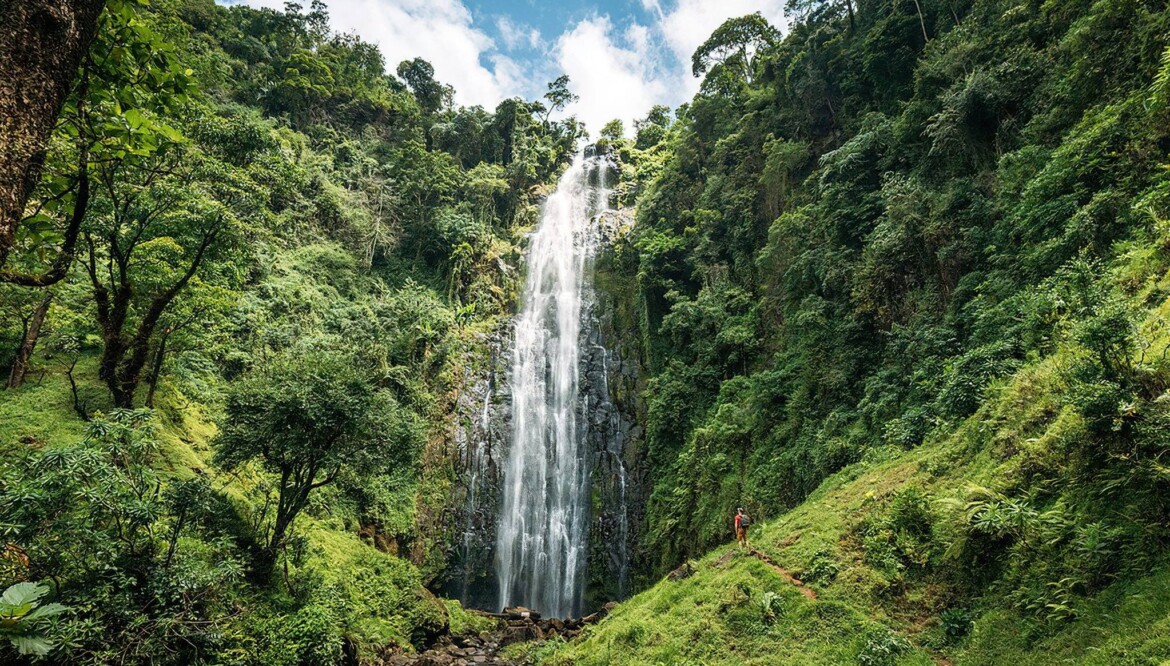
1160,90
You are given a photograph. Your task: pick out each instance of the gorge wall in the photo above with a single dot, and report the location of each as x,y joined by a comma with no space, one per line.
609,413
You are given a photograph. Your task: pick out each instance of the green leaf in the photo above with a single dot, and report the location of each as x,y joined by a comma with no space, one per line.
48,610
33,645
22,594
134,117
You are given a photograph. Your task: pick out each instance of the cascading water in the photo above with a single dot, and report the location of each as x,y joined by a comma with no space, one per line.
541,536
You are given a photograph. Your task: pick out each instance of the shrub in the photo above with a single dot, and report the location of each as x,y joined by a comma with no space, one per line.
956,622
822,569
882,647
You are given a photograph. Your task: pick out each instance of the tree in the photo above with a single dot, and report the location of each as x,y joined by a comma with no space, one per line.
614,130
650,131
42,43
196,323
559,96
735,44
162,223
31,328
126,85
432,96
307,417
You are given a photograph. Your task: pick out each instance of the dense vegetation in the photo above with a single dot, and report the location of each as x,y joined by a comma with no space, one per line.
923,243
234,311
898,281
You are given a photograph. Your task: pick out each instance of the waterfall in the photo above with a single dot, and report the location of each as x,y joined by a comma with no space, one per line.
541,544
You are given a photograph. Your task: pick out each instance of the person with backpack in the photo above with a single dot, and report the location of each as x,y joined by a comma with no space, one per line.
742,522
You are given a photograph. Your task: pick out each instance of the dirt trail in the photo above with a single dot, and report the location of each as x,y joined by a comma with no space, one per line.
807,591
811,594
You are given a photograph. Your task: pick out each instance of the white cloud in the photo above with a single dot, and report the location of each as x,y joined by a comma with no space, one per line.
517,35
613,80
652,6
619,72
622,76
439,31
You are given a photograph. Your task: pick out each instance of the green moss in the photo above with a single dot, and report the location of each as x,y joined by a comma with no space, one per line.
718,616
464,621
41,411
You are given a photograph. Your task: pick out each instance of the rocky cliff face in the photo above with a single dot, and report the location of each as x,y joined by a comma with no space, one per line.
479,440
610,411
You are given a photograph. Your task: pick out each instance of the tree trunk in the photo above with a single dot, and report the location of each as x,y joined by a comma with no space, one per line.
78,405
23,355
122,360
42,43
921,21
156,364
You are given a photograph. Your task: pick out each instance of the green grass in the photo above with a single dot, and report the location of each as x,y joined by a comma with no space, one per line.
376,599
41,412
715,616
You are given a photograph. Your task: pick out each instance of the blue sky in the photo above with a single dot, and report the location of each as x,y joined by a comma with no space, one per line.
623,56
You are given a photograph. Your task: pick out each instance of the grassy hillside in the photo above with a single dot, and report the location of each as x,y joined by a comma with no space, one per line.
897,550
901,276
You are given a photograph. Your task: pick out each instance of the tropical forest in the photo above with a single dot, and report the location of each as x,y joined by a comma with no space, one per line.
669,332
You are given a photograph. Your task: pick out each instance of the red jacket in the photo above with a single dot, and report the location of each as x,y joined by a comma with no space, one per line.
737,517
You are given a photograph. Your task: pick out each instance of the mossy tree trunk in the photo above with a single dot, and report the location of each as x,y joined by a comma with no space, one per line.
42,44
28,344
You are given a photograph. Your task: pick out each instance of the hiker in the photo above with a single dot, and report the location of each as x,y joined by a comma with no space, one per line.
742,522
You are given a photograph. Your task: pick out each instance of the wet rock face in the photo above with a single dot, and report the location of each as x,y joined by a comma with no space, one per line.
613,436
609,413
614,408
479,446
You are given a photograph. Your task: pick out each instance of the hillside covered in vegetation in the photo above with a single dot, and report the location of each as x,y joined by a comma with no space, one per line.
897,281
900,282
236,312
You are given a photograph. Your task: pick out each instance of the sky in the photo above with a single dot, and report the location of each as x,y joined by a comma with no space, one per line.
622,56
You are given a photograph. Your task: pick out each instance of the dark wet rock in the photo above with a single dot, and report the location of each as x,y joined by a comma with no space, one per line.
685,570
599,148
520,613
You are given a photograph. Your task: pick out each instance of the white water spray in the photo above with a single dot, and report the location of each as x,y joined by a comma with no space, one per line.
541,543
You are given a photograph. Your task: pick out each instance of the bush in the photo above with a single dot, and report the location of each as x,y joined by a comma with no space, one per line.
903,536
823,568
882,647
956,622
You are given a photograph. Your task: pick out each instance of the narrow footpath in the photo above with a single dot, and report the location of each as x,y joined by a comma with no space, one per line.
807,591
